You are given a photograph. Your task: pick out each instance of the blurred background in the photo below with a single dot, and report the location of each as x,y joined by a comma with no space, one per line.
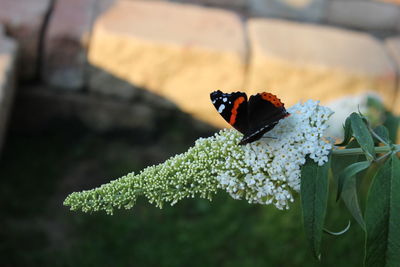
91,90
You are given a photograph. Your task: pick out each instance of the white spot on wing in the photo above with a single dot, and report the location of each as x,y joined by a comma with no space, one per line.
224,99
221,108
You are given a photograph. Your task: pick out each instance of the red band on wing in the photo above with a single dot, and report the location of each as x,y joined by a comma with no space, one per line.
236,105
272,99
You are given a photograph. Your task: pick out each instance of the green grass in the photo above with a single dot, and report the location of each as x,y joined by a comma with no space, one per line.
38,171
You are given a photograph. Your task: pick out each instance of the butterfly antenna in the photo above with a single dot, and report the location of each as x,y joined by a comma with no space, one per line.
270,137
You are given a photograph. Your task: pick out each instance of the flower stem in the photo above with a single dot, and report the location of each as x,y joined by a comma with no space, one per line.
358,151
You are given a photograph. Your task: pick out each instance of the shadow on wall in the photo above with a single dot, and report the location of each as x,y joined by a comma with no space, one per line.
146,115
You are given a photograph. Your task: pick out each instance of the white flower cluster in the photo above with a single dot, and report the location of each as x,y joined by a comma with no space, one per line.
268,171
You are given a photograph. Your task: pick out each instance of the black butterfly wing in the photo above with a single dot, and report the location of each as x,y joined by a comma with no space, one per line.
264,111
233,108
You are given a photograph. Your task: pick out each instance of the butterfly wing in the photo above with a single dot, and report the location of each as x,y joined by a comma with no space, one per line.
264,111
233,108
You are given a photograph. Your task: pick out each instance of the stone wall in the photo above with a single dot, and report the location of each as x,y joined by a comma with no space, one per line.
182,50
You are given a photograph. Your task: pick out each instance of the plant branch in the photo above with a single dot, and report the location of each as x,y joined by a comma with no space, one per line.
359,151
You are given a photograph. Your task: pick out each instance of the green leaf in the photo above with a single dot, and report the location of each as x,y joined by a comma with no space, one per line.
349,192
382,216
383,133
349,187
314,198
363,136
350,172
338,233
392,124
340,162
347,132
375,103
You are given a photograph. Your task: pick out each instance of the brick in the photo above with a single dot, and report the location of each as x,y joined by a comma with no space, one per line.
364,15
98,113
23,20
304,61
235,4
66,43
397,2
147,117
393,46
8,54
305,10
180,52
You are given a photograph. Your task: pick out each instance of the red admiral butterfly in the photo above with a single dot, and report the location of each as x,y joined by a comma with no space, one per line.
252,118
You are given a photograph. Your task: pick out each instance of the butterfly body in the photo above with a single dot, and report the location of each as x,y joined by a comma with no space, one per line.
252,117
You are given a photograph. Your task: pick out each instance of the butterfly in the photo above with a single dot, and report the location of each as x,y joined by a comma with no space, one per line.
252,117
